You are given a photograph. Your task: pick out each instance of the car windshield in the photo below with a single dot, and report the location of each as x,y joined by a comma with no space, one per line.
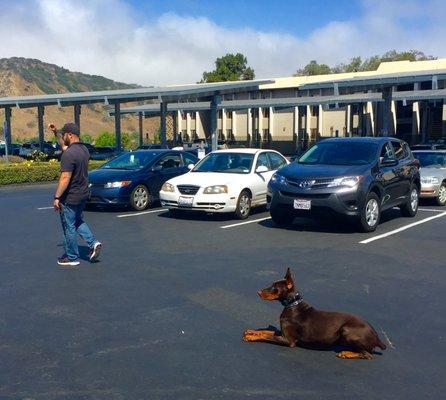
340,153
231,163
131,161
431,159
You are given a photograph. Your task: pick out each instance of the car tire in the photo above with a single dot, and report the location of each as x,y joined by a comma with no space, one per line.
410,208
243,207
370,214
441,199
140,198
281,217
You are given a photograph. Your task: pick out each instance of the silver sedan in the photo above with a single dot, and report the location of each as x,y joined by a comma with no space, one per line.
433,174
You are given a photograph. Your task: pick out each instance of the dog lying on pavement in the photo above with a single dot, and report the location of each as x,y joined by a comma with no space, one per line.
303,325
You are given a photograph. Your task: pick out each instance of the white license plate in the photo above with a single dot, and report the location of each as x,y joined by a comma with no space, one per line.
185,201
300,204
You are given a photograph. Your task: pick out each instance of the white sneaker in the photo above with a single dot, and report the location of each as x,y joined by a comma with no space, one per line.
95,251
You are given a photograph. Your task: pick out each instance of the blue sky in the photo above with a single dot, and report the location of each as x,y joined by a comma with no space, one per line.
295,17
174,42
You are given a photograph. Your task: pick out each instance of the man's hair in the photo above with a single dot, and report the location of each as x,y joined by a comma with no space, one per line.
70,127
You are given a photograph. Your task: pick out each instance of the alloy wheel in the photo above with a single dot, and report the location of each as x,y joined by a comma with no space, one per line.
244,205
414,199
372,212
140,197
442,194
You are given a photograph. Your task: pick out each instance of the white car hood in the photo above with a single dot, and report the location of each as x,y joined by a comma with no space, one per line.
436,172
204,179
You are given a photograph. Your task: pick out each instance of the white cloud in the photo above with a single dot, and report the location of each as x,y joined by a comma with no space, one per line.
108,38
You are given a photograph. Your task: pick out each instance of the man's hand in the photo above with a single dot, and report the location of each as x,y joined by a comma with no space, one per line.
56,205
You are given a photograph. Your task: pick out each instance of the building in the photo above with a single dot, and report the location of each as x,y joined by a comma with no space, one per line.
404,99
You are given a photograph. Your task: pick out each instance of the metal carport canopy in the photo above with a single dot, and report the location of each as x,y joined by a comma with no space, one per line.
414,95
168,93
154,109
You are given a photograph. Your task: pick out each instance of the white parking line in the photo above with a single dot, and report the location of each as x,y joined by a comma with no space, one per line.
431,210
45,208
403,228
140,213
244,223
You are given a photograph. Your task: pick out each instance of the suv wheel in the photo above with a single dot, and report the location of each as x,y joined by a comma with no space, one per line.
281,217
243,205
441,199
370,214
410,208
140,198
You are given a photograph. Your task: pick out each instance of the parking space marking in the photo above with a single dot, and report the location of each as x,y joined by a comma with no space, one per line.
403,228
45,208
141,213
244,223
431,210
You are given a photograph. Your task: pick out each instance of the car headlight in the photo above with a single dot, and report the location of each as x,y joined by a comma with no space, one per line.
350,181
430,180
277,178
119,184
216,189
167,187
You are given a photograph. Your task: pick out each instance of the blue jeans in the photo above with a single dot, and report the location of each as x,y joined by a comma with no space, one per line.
73,225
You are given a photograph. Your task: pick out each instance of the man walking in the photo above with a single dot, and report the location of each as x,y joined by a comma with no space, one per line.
72,194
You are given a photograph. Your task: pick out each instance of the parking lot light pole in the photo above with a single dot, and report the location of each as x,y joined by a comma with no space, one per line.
215,102
40,114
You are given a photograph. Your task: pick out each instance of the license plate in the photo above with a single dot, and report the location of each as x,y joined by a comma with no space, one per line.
300,204
185,201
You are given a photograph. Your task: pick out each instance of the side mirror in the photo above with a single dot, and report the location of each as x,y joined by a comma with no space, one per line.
157,168
389,162
260,169
191,166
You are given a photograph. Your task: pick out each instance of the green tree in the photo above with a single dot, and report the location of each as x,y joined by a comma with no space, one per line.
105,139
313,68
86,138
231,67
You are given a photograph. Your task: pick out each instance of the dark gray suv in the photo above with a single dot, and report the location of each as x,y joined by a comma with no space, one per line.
354,177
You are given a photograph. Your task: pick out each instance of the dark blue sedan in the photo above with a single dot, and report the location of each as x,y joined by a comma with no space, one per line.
135,178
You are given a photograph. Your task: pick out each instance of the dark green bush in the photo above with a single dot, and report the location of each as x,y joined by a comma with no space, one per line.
27,172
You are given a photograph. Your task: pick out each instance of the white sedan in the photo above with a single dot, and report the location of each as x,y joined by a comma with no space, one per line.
232,180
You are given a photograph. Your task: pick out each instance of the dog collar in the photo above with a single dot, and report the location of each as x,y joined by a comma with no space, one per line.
294,301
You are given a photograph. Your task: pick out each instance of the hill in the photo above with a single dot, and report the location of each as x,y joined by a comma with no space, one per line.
27,77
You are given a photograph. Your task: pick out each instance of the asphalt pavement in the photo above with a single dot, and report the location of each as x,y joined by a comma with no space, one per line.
161,315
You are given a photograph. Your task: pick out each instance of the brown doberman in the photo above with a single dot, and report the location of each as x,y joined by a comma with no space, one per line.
305,326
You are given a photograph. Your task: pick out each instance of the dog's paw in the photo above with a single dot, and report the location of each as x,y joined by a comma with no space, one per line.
249,335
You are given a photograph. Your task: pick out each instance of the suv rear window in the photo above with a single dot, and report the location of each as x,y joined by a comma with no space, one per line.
340,153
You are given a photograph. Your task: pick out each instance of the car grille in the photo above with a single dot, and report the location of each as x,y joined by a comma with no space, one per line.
188,189
306,195
313,183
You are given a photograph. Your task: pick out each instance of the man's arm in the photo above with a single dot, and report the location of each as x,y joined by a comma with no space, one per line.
64,181
58,137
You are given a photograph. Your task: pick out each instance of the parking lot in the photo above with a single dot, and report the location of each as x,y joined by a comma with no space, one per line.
162,314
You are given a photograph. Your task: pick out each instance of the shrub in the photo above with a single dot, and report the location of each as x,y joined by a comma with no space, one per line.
38,155
30,171
11,159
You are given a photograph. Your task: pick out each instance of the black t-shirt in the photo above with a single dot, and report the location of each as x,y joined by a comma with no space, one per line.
75,160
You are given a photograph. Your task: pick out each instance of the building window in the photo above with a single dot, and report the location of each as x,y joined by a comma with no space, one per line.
229,114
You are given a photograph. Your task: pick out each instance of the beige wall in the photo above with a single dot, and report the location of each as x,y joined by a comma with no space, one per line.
283,124
333,120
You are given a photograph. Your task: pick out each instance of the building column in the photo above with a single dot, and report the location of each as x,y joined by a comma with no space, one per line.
348,120
197,124
163,126
320,121
140,120
260,123
386,109
371,118
443,119
215,102
40,113
296,129
188,125
424,115
415,119
249,128
393,125
234,124
224,123
178,130
307,121
77,116
118,124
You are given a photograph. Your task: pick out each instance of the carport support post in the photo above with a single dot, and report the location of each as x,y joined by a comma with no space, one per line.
40,113
8,134
163,113
386,110
118,124
215,102
140,127
77,116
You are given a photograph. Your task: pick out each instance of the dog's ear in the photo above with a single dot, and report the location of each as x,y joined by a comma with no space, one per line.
289,279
